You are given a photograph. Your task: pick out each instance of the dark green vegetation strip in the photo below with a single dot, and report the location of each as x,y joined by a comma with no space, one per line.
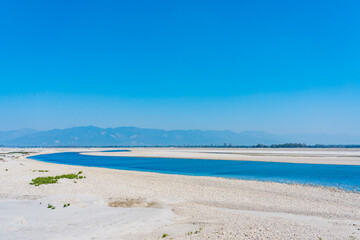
20,152
50,180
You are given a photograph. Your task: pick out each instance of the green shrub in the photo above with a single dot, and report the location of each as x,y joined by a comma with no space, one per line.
69,176
43,180
50,180
19,152
51,207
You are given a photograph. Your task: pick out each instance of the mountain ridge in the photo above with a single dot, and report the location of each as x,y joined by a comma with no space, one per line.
133,136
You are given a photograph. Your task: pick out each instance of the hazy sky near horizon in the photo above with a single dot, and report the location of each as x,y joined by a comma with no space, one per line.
278,66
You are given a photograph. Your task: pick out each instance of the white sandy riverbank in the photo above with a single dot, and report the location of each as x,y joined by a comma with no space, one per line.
318,156
156,204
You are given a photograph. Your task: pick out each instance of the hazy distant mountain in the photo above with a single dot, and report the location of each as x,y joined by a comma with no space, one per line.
132,136
11,135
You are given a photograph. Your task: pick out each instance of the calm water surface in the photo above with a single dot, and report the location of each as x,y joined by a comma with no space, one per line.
341,176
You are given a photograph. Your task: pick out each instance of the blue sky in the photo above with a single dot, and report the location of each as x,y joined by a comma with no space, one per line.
277,66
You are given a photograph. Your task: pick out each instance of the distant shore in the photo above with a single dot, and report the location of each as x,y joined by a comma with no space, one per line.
117,204
289,155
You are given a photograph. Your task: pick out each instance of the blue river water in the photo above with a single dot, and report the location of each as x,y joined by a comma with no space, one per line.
340,176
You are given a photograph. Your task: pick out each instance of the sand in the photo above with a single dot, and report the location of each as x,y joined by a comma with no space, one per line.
116,204
318,156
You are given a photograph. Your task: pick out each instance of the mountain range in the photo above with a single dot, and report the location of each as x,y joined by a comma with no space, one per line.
132,136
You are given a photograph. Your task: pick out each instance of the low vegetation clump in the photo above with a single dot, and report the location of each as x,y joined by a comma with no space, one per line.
66,205
25,153
51,207
50,179
40,170
43,180
165,235
196,232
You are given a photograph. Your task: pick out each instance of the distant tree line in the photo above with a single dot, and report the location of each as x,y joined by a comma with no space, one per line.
225,145
284,145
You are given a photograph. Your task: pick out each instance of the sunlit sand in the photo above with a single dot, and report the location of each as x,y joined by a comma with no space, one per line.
117,204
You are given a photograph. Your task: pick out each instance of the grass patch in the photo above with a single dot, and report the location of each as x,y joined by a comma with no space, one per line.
196,232
51,207
43,180
68,176
19,152
50,180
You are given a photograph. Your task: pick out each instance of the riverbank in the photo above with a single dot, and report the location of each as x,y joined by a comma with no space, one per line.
344,156
116,204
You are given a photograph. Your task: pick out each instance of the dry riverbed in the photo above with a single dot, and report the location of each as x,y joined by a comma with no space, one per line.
116,204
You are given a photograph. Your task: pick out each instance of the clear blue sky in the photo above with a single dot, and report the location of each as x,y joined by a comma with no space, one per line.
278,66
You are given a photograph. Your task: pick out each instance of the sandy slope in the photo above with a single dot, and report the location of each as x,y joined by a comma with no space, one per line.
172,204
